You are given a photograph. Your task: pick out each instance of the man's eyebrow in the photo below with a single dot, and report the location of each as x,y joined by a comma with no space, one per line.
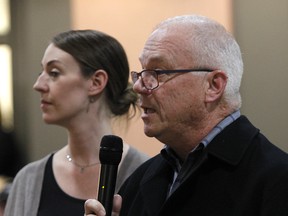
156,59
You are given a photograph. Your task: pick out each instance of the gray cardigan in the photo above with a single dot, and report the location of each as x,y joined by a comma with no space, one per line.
25,193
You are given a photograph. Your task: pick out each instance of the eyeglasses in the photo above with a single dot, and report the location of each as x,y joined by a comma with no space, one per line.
150,77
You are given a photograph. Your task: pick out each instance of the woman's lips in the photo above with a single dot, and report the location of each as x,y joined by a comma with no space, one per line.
45,103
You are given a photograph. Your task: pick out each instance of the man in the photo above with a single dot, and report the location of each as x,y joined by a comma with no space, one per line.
215,161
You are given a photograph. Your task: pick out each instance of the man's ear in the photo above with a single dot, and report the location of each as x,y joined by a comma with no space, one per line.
217,81
98,82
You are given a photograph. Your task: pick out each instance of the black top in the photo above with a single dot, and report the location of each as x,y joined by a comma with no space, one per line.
54,201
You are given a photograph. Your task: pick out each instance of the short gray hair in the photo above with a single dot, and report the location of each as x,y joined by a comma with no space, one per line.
212,46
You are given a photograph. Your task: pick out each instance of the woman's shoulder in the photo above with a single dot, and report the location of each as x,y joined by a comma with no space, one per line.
136,155
32,169
27,183
133,159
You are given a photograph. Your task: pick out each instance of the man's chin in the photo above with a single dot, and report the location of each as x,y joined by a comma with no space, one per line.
149,132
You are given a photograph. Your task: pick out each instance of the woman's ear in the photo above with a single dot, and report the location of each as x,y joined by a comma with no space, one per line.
98,82
217,81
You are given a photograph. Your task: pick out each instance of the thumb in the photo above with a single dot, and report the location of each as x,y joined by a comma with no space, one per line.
117,203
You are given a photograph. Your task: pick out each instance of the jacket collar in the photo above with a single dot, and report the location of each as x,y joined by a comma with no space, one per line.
231,144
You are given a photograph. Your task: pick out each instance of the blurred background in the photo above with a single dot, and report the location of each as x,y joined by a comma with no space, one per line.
26,27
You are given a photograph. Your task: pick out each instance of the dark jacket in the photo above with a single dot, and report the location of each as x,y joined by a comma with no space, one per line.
240,173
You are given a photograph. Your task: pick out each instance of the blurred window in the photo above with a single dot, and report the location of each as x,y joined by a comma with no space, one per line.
6,93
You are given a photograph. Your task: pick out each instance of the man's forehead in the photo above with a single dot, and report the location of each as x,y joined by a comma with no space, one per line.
147,57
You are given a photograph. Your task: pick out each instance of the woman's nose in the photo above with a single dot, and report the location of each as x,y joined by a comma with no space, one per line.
40,84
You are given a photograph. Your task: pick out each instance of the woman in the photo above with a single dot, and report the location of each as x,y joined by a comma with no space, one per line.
83,85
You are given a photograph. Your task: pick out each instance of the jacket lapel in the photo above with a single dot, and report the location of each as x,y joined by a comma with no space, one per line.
157,178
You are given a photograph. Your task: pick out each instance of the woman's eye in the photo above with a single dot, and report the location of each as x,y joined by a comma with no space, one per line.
53,73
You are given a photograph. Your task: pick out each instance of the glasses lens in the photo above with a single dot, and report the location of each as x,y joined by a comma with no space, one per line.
134,76
149,79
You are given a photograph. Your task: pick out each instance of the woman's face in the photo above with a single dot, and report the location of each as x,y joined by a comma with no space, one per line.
63,89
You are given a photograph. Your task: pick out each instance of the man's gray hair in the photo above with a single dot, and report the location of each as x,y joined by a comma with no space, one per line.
211,46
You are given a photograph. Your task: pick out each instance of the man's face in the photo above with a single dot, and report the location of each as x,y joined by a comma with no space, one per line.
178,102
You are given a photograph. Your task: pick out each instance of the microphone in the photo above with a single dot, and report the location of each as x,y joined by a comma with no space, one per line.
110,155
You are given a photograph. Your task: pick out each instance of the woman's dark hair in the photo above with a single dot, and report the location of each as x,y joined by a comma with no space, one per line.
96,50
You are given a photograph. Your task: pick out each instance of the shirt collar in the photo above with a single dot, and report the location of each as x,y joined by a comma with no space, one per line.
219,127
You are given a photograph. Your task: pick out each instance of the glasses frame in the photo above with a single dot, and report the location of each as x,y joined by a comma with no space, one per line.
158,72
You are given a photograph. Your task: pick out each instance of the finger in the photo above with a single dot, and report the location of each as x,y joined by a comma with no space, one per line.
94,207
117,203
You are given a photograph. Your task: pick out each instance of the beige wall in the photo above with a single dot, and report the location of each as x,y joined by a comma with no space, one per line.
34,22
131,22
260,26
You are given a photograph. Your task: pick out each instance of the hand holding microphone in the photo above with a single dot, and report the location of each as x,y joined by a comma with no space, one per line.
94,207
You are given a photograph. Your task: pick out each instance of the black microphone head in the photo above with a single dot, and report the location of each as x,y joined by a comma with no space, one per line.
111,148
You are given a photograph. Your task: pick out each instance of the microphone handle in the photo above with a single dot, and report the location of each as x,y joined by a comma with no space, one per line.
106,189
